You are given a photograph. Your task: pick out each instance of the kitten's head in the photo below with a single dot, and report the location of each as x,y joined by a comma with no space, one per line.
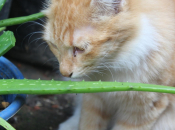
84,34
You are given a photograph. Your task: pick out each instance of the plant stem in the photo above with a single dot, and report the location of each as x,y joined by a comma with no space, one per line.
2,2
16,86
19,20
5,124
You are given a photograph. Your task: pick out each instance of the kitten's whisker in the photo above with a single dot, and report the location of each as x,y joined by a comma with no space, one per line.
93,76
48,60
84,70
88,76
113,67
42,20
97,71
29,25
33,22
46,4
55,68
24,28
110,72
36,40
41,44
45,48
31,34
38,23
93,70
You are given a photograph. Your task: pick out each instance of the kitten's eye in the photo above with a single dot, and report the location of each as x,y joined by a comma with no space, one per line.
77,50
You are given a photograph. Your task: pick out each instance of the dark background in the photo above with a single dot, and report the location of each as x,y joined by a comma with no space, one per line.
30,47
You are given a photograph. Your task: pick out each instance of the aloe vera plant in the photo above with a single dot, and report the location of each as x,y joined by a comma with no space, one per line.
2,2
19,20
25,86
7,41
5,124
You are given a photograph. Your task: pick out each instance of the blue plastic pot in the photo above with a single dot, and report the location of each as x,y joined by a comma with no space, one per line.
8,71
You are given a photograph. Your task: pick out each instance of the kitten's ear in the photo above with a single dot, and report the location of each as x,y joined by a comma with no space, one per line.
109,6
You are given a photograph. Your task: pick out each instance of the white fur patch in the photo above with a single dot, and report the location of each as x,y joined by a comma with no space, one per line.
110,1
139,49
131,63
73,122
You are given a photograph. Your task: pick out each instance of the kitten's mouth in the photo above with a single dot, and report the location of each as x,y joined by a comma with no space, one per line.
77,75
74,76
70,75
81,73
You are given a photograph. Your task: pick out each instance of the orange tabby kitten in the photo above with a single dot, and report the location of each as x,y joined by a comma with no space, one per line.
122,40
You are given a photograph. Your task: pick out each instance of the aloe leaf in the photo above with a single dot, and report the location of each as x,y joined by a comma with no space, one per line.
2,2
24,86
5,124
19,20
2,28
7,41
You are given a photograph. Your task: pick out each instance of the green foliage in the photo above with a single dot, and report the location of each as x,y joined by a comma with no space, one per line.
5,124
20,20
2,2
25,86
2,28
7,41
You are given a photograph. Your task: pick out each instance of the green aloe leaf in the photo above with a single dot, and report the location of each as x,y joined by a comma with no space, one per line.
2,28
5,124
2,2
17,86
7,41
20,20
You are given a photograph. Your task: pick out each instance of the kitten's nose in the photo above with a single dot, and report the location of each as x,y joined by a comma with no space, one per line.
66,69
